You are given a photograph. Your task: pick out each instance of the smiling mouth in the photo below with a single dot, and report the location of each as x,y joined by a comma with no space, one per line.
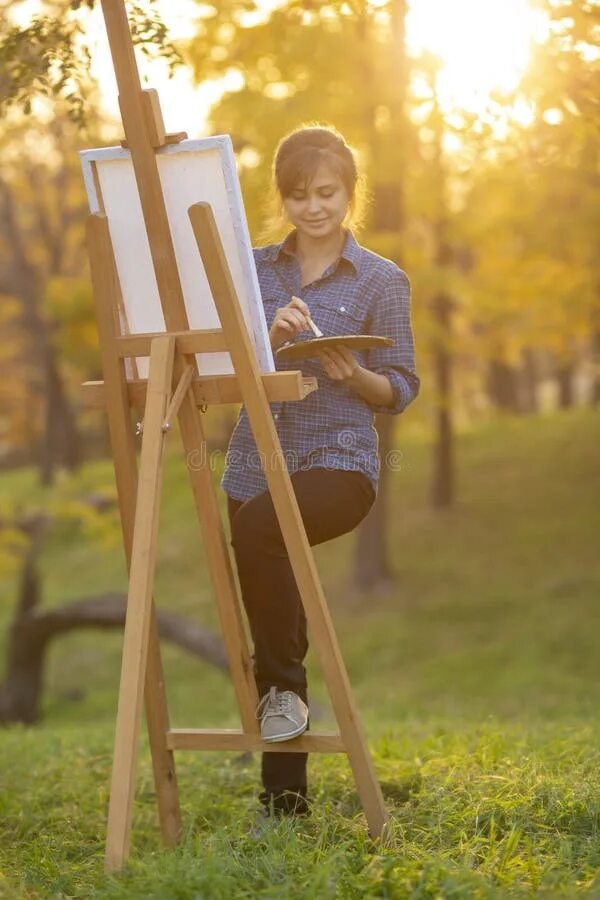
315,221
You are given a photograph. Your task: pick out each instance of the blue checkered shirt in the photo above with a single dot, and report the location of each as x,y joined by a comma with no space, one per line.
361,293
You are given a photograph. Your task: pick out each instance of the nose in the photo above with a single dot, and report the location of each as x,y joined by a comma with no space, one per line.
314,203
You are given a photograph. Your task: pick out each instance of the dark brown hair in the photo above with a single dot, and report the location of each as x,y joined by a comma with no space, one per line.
297,158
300,153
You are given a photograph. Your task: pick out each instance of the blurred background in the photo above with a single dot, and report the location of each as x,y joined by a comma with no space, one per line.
474,581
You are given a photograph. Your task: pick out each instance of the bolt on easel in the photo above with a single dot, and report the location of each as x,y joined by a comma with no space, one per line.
173,389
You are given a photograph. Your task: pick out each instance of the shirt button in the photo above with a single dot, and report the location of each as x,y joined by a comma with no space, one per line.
276,416
342,309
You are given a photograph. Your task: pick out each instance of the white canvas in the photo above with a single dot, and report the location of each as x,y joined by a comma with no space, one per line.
191,171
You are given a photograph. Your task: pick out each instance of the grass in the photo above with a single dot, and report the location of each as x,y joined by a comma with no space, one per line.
476,676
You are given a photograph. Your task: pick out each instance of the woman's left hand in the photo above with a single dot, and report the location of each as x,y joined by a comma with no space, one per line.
340,363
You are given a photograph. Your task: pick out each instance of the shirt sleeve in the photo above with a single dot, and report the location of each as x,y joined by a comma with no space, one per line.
391,317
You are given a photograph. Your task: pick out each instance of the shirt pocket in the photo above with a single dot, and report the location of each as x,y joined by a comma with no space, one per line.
338,317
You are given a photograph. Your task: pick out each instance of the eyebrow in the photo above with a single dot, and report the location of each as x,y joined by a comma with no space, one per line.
320,187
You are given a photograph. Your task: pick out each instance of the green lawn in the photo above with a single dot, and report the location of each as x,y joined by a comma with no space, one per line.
477,677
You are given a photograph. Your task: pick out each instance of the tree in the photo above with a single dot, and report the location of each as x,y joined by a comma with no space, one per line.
531,212
440,294
42,210
48,56
564,86
391,147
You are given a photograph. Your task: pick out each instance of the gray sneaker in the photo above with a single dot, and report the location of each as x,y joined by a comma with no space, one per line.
283,715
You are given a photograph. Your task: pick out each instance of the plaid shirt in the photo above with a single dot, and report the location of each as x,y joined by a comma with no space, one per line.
360,293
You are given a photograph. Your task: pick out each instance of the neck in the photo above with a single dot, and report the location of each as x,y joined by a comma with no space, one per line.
319,249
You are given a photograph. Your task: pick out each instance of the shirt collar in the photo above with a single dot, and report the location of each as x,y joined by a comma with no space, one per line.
350,252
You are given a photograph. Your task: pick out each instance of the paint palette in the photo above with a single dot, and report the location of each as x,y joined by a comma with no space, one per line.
311,347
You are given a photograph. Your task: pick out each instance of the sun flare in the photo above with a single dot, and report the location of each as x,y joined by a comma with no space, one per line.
482,45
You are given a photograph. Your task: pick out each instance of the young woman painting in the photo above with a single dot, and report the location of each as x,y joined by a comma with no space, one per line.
328,439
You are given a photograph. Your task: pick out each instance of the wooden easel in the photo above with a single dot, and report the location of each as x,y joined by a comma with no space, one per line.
173,389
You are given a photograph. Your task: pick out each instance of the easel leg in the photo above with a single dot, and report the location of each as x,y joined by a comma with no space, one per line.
215,544
325,642
163,762
139,615
288,515
107,302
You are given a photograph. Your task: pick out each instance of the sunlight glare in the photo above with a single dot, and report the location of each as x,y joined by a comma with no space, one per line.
184,104
483,45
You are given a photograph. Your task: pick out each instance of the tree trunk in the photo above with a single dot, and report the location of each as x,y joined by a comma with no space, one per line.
528,382
19,695
372,566
443,481
502,386
564,377
31,635
443,467
61,444
595,391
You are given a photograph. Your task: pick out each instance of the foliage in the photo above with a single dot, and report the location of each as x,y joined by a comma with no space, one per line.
352,80
517,205
43,57
517,208
69,309
532,211
47,312
67,515
331,61
565,73
49,58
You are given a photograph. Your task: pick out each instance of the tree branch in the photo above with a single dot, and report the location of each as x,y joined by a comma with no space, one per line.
107,611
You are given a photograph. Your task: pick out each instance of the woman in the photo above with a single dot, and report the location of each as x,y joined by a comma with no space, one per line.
329,441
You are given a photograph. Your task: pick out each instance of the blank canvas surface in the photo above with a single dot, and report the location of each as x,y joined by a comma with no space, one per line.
191,171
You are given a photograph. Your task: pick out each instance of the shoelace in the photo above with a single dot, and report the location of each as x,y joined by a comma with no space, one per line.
275,703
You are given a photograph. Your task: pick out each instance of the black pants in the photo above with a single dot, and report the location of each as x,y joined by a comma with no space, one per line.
332,502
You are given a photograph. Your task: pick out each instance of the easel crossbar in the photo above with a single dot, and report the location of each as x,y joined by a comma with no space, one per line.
192,341
211,389
233,739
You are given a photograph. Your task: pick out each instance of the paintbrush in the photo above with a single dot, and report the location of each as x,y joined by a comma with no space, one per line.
314,328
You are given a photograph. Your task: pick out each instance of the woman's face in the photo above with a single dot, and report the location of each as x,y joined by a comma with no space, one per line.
318,209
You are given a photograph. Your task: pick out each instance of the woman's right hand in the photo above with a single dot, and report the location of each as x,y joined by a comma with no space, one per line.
289,320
